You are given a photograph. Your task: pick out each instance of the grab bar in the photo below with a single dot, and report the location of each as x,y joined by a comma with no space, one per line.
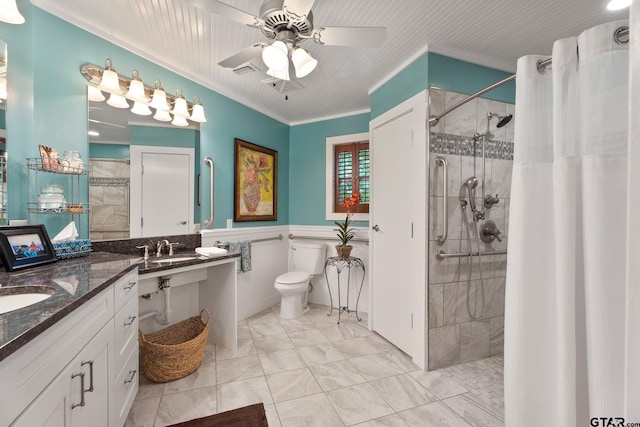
355,239
441,161
225,245
209,222
440,254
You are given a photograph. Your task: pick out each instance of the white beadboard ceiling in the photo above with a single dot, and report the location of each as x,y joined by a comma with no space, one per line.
183,37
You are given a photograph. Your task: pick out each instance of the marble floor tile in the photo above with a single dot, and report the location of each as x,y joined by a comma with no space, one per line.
265,316
318,354
335,375
147,388
209,354
355,347
401,359
245,348
272,343
238,369
433,414
272,416
179,407
265,329
292,384
278,361
297,325
471,412
439,384
309,411
204,376
358,403
379,343
376,366
341,332
143,413
242,393
389,421
243,330
402,392
310,337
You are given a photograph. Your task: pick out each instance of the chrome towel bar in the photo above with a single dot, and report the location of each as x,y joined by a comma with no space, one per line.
440,254
292,236
225,245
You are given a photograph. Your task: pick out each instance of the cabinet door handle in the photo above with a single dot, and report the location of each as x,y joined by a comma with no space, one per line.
132,375
90,363
131,320
130,286
81,375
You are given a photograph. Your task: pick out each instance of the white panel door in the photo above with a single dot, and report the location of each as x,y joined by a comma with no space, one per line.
398,218
161,191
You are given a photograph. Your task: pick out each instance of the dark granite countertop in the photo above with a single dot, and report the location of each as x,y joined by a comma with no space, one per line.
75,281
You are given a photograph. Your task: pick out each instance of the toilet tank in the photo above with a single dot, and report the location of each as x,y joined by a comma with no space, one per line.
308,257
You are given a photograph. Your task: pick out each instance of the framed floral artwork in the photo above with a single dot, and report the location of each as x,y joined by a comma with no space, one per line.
256,183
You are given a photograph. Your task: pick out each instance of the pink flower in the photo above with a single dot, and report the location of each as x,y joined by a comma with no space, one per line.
250,176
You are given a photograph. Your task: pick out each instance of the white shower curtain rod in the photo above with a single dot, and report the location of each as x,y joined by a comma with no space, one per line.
542,64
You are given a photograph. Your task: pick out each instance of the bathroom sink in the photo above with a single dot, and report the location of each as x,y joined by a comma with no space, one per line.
172,260
16,297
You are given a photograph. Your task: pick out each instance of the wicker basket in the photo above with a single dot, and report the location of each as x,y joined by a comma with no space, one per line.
176,351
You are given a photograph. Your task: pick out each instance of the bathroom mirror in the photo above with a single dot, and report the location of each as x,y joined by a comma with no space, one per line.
3,132
112,132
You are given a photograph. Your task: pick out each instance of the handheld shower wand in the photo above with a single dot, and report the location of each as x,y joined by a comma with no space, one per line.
471,185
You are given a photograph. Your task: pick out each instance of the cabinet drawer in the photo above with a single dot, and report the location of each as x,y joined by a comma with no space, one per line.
124,389
126,332
125,288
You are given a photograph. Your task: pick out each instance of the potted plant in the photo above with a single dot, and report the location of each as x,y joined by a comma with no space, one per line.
345,234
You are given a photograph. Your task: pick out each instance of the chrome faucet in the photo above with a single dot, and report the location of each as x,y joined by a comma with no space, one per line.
159,247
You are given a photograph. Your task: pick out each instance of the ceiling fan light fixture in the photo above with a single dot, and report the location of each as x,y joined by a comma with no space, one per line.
109,81
95,94
279,74
9,12
197,113
179,121
613,5
159,99
276,55
141,109
162,116
136,89
303,62
117,101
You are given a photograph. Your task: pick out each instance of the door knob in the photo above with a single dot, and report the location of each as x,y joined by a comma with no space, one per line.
376,228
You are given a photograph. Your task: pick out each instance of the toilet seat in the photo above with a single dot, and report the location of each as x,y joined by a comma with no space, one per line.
293,278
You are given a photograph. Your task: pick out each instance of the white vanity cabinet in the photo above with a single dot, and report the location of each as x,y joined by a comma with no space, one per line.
68,375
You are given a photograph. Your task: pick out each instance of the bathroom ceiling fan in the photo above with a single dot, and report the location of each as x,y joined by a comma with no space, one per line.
286,24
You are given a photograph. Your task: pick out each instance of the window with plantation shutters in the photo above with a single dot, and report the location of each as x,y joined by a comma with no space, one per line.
351,175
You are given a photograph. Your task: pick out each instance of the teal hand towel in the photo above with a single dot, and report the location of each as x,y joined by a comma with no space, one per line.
244,249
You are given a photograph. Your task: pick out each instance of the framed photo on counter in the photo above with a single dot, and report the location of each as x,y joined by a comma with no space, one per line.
25,246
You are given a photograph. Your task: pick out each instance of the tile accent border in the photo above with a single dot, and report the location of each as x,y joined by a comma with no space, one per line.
443,143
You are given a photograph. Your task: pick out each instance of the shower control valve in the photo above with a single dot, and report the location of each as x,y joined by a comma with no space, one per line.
490,200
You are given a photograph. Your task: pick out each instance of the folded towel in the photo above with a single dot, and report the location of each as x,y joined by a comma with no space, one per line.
211,251
244,249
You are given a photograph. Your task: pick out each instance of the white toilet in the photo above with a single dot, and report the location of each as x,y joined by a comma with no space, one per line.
306,260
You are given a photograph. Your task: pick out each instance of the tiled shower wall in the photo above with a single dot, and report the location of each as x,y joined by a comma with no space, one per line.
109,199
454,337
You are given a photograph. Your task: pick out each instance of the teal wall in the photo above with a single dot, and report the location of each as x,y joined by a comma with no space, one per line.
432,69
163,137
109,151
308,165
47,105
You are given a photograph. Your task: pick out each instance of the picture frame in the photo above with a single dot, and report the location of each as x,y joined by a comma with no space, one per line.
256,182
25,246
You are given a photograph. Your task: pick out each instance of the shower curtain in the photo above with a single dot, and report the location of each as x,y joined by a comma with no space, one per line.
565,332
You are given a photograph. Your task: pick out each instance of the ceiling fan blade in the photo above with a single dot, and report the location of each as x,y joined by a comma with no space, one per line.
350,36
225,10
298,8
243,56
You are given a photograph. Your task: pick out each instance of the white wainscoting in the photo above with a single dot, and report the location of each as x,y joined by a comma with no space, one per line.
270,259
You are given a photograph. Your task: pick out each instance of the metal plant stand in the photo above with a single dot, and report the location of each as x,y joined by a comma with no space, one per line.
340,264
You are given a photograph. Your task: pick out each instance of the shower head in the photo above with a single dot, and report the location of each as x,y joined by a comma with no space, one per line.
502,120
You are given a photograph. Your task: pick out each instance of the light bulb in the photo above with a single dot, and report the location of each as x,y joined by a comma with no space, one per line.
276,56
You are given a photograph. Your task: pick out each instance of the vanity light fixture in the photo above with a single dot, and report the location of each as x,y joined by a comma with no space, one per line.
162,116
95,94
197,112
117,101
136,89
180,106
108,80
9,12
141,109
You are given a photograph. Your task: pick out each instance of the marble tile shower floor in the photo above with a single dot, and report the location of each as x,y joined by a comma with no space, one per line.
312,372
